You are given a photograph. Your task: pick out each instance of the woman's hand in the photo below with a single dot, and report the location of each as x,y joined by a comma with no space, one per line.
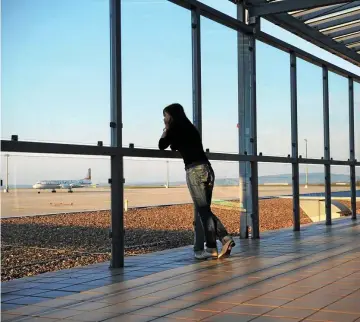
167,125
164,133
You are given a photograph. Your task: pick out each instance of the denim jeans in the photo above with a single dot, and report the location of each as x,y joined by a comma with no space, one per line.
200,180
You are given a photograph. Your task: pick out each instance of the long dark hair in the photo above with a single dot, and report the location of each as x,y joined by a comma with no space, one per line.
179,119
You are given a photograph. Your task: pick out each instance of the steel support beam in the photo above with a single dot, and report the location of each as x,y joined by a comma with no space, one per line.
342,31
355,46
284,46
199,236
294,143
327,144
248,181
237,25
335,20
117,171
289,5
352,148
308,33
318,12
349,39
214,15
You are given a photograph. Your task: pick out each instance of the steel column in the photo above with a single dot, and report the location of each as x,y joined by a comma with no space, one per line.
352,148
199,237
248,171
243,100
253,140
294,142
117,171
327,144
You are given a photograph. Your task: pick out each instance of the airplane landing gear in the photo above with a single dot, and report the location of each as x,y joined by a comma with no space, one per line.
53,191
70,191
38,191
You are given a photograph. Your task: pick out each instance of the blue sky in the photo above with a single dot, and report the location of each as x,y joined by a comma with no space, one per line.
55,85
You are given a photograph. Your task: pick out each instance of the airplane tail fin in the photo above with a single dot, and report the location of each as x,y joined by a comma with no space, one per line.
88,177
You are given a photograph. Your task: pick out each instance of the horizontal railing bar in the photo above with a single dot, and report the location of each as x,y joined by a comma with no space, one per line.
56,148
76,149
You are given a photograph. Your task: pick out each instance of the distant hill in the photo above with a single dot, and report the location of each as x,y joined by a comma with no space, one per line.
313,178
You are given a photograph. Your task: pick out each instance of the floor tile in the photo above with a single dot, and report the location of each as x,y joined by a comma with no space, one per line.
289,313
154,311
9,297
6,307
132,318
333,317
226,317
92,316
265,301
249,309
191,315
8,317
272,319
346,305
59,313
88,306
212,306
38,319
311,302
26,300
55,294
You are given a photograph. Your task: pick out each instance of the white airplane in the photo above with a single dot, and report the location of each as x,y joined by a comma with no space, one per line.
64,184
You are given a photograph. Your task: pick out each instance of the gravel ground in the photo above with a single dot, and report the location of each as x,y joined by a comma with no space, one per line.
33,245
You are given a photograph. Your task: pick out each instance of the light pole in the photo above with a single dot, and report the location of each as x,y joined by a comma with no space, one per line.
307,169
167,174
7,173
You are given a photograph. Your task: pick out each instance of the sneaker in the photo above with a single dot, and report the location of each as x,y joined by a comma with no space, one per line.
207,253
228,244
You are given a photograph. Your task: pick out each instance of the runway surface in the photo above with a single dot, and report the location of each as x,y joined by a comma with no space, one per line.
25,202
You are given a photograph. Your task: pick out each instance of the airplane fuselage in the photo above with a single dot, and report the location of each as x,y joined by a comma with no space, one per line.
61,184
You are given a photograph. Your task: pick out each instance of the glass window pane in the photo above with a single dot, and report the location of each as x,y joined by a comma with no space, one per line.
339,117
273,101
59,223
310,110
219,87
357,119
157,67
55,70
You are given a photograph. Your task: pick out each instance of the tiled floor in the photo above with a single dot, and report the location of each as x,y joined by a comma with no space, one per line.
313,275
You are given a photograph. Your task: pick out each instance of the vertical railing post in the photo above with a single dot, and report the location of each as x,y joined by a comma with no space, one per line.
248,172
294,142
253,141
117,171
327,144
352,148
199,237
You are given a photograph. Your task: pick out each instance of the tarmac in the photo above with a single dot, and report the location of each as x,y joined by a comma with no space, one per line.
28,202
